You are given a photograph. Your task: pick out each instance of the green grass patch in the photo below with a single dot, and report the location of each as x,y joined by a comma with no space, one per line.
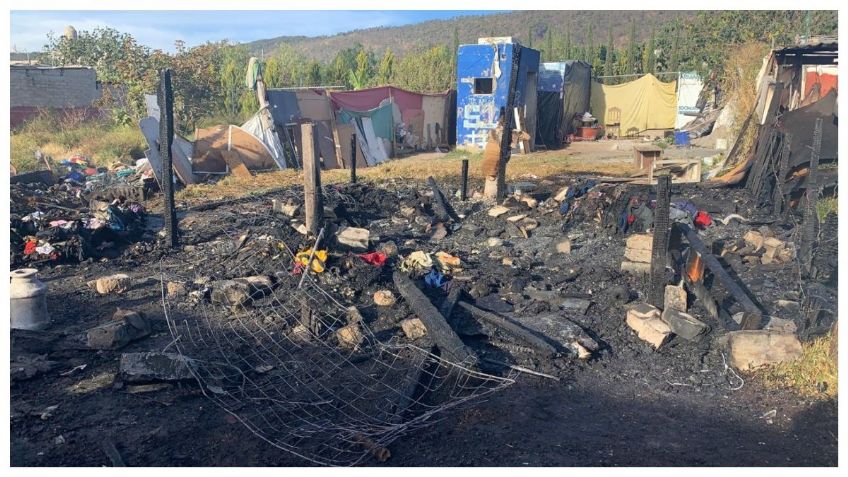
813,376
827,205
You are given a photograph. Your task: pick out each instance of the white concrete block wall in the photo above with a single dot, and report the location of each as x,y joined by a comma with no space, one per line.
53,87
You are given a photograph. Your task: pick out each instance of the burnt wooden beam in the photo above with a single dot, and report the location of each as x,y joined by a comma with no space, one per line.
450,301
659,247
443,335
443,209
752,315
524,334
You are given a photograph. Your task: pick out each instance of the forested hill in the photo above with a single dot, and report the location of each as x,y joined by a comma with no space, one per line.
521,25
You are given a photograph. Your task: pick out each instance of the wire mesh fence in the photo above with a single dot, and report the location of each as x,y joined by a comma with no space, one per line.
301,370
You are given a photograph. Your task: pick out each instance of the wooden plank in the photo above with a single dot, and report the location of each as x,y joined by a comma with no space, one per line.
236,164
314,203
524,334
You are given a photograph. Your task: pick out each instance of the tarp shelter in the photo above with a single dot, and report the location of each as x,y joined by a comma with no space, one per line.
483,81
563,92
646,103
426,114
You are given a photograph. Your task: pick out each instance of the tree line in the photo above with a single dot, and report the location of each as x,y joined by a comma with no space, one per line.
209,78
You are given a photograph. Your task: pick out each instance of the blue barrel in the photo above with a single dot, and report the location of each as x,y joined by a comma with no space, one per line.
681,138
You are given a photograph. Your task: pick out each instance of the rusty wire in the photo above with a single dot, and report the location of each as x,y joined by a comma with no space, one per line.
276,364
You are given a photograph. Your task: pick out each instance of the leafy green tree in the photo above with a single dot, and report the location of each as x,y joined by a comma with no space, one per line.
648,56
632,49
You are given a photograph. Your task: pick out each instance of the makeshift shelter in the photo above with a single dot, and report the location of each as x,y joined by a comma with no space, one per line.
781,167
399,119
646,103
562,93
483,82
290,108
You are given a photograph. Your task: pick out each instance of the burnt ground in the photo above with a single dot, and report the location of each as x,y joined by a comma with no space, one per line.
627,405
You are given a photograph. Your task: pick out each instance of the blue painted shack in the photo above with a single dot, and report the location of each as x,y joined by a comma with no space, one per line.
483,77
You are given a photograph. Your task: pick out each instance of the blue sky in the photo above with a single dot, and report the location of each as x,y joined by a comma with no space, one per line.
159,29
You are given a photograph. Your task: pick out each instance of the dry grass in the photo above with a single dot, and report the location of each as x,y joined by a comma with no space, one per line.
739,78
61,137
440,166
813,376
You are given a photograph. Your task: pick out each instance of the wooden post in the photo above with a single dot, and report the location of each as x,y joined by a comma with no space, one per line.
495,187
312,196
659,247
166,141
463,194
353,158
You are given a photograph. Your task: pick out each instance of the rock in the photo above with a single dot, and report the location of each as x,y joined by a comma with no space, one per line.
507,261
529,201
780,325
384,298
645,320
301,228
260,285
230,292
126,326
349,336
498,210
528,224
494,242
28,366
413,328
153,366
300,333
561,195
353,237
635,267
287,208
576,305
754,239
675,298
564,246
117,283
751,349
438,232
790,306
176,289
684,325
516,218
407,211
774,249
389,248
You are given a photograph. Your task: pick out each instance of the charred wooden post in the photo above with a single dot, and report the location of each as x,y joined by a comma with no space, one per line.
495,186
312,195
463,189
782,170
659,248
752,316
445,338
810,225
533,340
166,141
353,158
444,211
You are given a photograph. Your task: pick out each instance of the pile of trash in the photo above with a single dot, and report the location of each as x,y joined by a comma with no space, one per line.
58,224
78,171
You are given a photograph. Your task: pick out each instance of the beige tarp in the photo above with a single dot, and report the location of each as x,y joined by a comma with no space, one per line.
646,103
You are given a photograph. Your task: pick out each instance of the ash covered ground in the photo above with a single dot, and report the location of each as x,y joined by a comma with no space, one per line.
627,404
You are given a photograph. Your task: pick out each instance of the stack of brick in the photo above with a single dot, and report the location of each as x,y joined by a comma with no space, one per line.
637,254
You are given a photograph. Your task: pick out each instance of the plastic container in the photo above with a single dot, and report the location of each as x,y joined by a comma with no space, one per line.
28,308
681,138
